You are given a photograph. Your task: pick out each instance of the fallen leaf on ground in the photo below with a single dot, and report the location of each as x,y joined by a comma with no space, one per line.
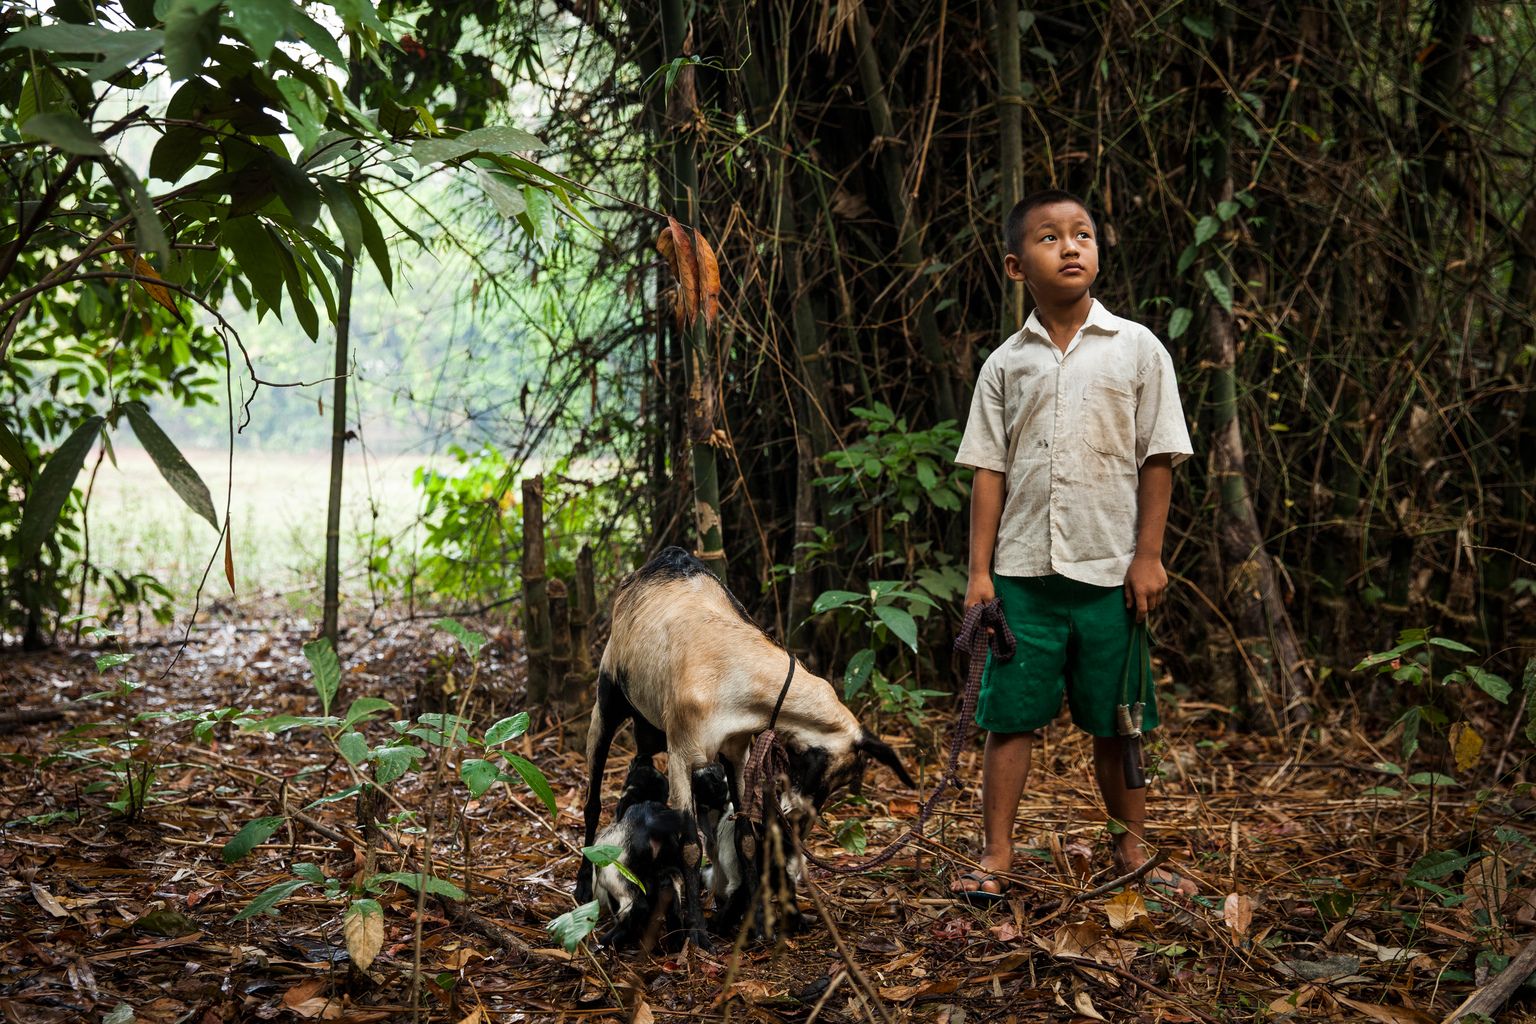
1125,910
1388,1014
1386,954
47,902
1237,913
899,993
1005,932
1085,1006
643,1014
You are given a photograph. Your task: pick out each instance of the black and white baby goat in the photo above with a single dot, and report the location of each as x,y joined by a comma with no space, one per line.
700,680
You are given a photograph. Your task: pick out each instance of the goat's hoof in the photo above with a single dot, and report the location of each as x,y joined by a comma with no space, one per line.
583,891
700,938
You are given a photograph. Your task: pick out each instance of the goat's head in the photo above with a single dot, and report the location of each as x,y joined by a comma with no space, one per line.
817,770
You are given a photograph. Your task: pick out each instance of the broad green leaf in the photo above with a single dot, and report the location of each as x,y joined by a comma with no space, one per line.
249,837
63,131
191,33
106,661
1528,683
1219,290
327,669
1431,779
298,290
338,796
363,707
1388,767
256,258
1493,685
360,13
573,926
502,192
479,775
1179,322
1439,864
119,50
1451,645
177,152
1382,791
310,872
373,241
1200,25
830,599
339,201
394,762
900,622
851,836
270,897
14,452
173,466
507,729
500,139
608,856
149,235
857,673
1411,720
536,781
1206,229
472,641
353,746
264,22
295,189
412,881
1227,209
539,217
51,489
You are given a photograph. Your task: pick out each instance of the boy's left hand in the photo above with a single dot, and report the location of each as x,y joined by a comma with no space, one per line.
1145,582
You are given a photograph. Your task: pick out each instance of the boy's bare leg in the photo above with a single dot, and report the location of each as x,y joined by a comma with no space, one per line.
1129,808
1004,770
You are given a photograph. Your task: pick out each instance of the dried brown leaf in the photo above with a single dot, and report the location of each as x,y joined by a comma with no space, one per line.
708,278
1388,1014
1237,913
1126,909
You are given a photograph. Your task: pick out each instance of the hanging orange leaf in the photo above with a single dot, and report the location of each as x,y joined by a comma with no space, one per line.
677,247
709,278
141,268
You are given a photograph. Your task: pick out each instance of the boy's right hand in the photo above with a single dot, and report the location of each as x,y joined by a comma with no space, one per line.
979,590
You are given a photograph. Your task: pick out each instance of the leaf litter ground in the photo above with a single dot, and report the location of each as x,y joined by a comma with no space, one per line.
1317,900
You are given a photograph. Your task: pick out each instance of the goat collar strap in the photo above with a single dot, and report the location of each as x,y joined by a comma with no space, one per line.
783,691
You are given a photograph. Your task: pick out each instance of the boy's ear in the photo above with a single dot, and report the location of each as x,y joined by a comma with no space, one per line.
881,751
1013,267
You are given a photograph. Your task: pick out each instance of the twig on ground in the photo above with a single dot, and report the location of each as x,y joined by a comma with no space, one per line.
1150,865
1493,995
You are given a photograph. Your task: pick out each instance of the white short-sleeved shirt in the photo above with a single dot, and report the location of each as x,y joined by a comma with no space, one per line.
1070,431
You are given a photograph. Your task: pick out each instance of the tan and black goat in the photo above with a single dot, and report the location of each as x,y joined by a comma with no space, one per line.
700,680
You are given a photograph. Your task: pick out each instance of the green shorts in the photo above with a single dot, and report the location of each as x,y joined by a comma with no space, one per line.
1073,638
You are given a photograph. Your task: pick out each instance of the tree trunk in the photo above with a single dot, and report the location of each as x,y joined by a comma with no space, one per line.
1253,599
536,624
560,644
583,614
908,233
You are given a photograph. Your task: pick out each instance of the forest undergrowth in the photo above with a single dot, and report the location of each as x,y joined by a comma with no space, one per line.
1330,887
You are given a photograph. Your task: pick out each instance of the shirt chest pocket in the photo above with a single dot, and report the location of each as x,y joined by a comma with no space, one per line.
1109,418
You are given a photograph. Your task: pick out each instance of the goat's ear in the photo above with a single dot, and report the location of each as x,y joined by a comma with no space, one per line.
881,751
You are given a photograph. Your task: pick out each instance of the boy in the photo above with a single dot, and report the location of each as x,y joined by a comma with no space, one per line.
1074,430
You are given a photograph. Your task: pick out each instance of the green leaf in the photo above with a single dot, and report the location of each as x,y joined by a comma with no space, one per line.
294,188
608,856
394,762
472,641
1411,720
119,50
478,775
502,192
536,781
1528,682
373,241
539,217
1188,256
852,837
1493,685
106,661
1179,322
363,707
1451,645
901,623
1219,290
1431,779
1388,767
831,599
503,139
344,212
248,838
310,873
173,466
857,673
256,258
264,22
51,490
177,152
1438,864
359,13
63,131
412,881
1227,209
1382,791
1200,25
14,452
191,33
327,669
1206,229
573,926
507,729
353,746
270,897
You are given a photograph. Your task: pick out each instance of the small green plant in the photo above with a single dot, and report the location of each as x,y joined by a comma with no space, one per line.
1415,662
879,614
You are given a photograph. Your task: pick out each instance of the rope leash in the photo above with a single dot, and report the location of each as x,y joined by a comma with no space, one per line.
984,625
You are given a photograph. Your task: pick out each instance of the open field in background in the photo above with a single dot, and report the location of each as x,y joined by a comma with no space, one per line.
278,505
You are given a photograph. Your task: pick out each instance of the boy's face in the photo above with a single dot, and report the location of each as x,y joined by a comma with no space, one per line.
1059,258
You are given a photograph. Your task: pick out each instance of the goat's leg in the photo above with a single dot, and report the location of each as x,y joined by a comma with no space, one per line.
680,768
608,713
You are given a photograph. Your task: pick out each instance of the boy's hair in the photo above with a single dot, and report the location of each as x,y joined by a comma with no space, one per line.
1013,227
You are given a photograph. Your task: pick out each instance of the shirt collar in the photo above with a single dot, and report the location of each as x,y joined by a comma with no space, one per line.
1099,319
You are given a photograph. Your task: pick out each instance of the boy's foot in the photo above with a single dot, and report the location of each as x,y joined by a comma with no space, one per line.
1132,856
983,885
